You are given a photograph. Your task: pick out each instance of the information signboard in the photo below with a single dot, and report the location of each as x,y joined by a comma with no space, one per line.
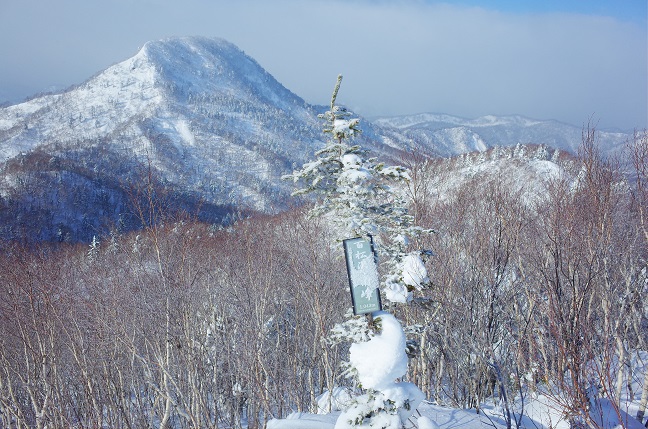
363,275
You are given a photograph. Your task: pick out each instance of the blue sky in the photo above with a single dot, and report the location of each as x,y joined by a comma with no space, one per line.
627,10
573,60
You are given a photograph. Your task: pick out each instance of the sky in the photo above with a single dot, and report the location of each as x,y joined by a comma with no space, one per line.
576,61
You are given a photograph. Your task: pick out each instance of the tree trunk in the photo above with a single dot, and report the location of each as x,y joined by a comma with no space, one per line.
644,399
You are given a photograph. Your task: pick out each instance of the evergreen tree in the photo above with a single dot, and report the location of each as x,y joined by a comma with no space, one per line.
361,197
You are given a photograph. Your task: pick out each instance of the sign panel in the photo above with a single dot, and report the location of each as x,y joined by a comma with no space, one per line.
363,275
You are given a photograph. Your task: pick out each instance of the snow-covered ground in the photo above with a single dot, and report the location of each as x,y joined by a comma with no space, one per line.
540,410
427,416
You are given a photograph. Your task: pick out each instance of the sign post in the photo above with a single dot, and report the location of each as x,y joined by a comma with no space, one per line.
363,275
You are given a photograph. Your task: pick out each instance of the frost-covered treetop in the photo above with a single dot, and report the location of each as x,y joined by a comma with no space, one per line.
339,122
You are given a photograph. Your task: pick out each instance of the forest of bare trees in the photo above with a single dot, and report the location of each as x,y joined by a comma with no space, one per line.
186,325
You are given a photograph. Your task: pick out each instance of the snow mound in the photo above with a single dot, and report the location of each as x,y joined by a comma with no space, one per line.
304,421
382,359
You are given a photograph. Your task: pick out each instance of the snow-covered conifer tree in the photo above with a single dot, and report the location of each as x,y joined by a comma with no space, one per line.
360,196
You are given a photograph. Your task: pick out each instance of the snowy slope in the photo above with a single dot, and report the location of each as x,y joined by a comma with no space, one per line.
525,169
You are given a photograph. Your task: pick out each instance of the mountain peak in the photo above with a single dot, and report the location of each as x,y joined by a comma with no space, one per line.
200,66
190,43
184,59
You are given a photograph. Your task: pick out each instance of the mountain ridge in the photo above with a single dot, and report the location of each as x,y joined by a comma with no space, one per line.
491,130
202,118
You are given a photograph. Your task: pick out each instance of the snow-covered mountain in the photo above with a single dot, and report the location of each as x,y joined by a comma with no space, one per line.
451,135
205,114
205,120
210,122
